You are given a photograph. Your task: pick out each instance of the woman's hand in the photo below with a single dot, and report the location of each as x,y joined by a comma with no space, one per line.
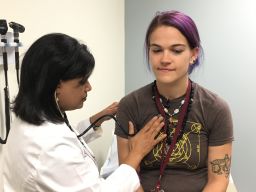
109,110
144,141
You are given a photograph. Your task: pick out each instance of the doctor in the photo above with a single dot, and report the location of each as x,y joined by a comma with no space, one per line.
43,152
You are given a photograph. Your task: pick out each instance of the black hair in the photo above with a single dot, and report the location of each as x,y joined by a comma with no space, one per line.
52,58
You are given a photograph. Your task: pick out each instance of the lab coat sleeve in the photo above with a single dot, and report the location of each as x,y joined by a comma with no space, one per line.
91,134
126,179
111,163
64,168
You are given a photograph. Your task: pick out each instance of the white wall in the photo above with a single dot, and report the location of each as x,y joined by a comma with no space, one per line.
99,24
228,34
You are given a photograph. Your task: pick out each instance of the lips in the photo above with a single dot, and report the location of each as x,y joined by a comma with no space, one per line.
165,69
84,98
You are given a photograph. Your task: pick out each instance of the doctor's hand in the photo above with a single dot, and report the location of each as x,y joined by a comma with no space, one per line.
109,110
144,141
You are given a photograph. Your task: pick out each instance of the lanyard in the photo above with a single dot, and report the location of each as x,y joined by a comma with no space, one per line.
181,118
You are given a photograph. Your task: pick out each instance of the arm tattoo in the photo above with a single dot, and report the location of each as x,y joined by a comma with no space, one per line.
221,166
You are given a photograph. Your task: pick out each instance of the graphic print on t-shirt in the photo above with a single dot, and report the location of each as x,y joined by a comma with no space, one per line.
186,153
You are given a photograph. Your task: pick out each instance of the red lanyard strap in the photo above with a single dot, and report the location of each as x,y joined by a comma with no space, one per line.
181,118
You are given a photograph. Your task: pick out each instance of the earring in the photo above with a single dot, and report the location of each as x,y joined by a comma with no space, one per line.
192,61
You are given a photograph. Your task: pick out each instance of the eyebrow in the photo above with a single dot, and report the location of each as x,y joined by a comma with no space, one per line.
174,45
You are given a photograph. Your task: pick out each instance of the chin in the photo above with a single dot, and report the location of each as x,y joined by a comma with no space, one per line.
77,107
80,106
166,80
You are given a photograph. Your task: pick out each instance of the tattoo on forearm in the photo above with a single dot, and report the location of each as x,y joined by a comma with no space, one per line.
221,166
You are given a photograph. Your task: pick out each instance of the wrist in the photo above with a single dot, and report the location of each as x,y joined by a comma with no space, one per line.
92,119
96,127
133,159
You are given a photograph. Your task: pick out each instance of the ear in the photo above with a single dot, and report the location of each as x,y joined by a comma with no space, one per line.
194,55
58,87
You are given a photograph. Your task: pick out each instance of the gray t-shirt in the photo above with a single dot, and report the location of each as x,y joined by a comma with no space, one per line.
209,123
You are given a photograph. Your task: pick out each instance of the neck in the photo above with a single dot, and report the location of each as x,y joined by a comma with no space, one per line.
173,90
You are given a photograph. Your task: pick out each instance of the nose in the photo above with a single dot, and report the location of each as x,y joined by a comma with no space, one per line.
166,58
88,86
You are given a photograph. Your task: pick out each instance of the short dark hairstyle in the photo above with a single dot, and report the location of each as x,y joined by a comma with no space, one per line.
181,22
50,59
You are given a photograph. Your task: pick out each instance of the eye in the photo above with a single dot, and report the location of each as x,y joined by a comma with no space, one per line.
177,51
156,50
83,81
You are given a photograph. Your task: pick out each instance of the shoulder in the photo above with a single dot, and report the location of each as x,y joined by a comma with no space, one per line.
138,94
135,106
41,136
208,97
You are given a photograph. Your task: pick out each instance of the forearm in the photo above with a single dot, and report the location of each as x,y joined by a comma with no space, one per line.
91,134
133,160
219,163
110,110
95,117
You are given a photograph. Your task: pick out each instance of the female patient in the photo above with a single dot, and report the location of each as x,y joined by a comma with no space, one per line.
196,154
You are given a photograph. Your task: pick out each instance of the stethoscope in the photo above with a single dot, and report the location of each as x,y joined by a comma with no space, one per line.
93,125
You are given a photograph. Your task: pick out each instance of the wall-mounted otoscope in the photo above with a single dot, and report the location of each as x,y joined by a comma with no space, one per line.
3,27
3,31
17,28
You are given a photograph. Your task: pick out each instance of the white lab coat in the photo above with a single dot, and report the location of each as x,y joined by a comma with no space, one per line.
51,158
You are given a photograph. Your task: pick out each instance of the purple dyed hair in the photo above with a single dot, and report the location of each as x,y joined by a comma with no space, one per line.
181,22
